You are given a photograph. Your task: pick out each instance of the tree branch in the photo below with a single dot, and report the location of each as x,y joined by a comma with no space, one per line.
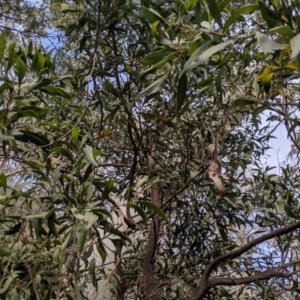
205,286
151,286
248,279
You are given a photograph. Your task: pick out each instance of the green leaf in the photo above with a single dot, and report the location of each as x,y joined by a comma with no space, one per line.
81,238
8,281
152,88
34,65
51,90
101,250
141,181
236,14
87,191
157,56
155,208
89,219
88,150
75,133
119,234
156,66
284,30
268,45
150,183
218,84
181,92
223,4
2,45
198,14
270,16
111,89
11,56
4,251
108,188
41,59
215,12
6,137
23,114
295,45
44,215
240,102
151,15
139,211
3,182
16,228
76,214
21,69
200,56
4,87
32,137
67,240
160,40
280,205
44,82
62,151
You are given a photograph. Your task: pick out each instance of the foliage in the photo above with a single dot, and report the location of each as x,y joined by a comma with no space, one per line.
142,134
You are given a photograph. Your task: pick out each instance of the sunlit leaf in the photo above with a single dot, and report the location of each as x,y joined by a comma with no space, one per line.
268,45
44,215
75,133
88,150
295,45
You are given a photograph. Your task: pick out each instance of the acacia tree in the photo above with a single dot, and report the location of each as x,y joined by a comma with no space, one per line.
155,107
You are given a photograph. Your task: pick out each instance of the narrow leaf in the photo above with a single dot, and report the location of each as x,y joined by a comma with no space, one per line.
156,66
4,251
268,45
139,211
2,45
155,208
215,12
151,15
75,133
62,151
236,14
44,215
152,88
284,30
88,150
157,56
198,58
295,45
21,70
181,92
108,187
240,102
3,182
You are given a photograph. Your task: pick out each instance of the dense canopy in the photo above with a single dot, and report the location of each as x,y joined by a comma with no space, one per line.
134,154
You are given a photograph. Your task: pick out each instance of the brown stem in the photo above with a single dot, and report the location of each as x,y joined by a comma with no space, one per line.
151,286
206,283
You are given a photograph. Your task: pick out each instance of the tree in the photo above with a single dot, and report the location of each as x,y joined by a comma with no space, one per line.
149,133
